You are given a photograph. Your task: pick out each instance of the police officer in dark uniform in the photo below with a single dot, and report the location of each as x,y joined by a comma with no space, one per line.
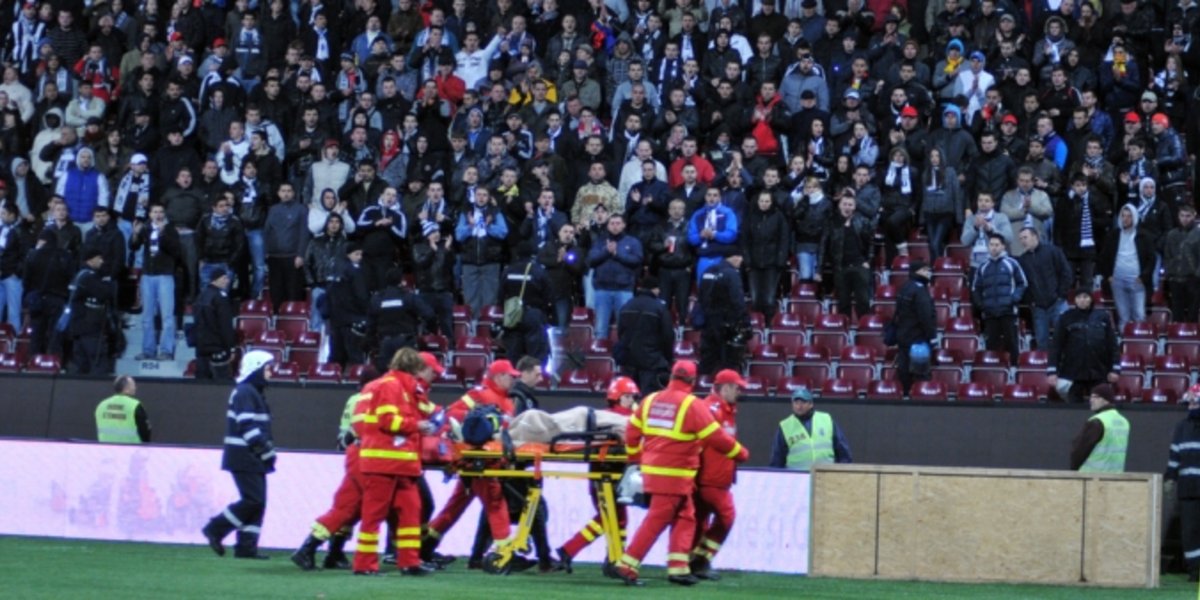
249,456
645,338
724,316
349,307
915,323
91,300
214,334
527,278
397,314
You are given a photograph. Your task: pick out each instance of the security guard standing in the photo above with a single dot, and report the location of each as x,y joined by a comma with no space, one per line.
1101,446
808,437
91,300
397,314
249,456
214,332
666,436
725,318
526,279
645,338
120,418
349,305
1183,480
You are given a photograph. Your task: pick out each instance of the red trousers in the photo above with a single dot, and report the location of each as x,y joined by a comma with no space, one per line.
495,507
347,502
383,494
594,528
679,514
716,503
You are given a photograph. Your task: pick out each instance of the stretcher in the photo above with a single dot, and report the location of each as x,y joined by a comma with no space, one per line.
602,451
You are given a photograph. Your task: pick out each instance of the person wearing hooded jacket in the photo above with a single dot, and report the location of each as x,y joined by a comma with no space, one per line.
958,147
83,187
1127,263
249,455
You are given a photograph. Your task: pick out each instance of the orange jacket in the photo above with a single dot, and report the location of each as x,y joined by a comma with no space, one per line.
486,393
667,434
716,469
387,430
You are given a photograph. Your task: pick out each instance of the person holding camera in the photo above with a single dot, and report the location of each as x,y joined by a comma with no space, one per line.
215,337
563,260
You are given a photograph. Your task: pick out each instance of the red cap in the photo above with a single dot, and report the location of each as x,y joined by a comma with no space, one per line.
683,369
1160,119
332,143
621,386
175,37
909,111
502,367
1132,117
431,361
219,42
728,376
1010,118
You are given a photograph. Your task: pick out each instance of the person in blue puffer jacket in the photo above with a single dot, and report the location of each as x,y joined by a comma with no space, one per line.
998,286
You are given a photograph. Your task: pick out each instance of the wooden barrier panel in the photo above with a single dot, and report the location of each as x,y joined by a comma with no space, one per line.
985,525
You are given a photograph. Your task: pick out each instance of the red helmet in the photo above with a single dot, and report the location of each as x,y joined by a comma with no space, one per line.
621,386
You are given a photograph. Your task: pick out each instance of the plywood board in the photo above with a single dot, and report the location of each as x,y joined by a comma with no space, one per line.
843,524
1120,525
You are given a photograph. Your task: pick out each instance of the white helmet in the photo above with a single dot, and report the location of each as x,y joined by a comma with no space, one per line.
253,361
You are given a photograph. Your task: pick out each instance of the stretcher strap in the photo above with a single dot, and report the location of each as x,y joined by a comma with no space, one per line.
537,466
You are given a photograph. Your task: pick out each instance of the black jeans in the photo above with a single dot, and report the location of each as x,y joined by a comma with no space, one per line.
205,369
764,288
388,347
1183,296
1000,333
1085,269
529,338
716,351
89,355
905,371
674,286
442,304
346,347
285,281
853,287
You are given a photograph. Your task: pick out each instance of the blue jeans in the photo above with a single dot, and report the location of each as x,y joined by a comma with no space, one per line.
258,258
1044,321
126,228
806,264
11,300
206,274
315,321
1130,297
158,296
608,305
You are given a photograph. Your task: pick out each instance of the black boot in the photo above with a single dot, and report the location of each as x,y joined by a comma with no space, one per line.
247,546
702,569
305,556
336,557
214,537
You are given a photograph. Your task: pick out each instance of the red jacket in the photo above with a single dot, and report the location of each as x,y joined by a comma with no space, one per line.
667,435
387,430
486,393
716,469
704,171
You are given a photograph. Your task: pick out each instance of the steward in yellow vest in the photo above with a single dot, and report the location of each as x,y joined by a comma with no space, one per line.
807,437
1101,446
120,418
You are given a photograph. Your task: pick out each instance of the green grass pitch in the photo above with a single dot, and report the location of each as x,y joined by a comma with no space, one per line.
55,568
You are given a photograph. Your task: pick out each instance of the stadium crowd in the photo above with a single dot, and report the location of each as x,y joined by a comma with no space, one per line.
341,153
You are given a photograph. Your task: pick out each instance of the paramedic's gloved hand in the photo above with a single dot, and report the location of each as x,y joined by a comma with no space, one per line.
427,428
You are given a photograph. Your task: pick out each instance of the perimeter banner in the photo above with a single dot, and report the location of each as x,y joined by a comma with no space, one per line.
166,494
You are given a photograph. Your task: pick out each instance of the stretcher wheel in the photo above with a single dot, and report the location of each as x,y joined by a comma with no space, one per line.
497,564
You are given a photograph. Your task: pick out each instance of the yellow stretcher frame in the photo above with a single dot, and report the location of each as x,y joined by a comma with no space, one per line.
483,463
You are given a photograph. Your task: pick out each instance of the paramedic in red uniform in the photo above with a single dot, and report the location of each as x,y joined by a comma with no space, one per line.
666,436
390,462
622,397
493,391
713,496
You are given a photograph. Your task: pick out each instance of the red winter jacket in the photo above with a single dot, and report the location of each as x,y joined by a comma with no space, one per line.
488,393
387,430
667,435
717,470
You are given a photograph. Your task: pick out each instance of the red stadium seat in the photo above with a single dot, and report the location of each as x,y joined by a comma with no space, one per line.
757,386
461,313
470,365
1034,359
997,378
961,326
929,391
189,372
769,353
948,264
453,376
599,347
872,340
871,322
947,358
839,389
1019,393
815,374
575,379
884,291
474,345
965,346
1144,349
810,354
883,389
1139,330
433,343
975,392
1183,331
254,307
249,326
861,355
947,286
353,373
1171,364
1189,350
1129,386
9,363
286,371
901,263
601,368
960,253
831,341
785,386
1156,395
1174,384
1131,362
685,349
808,311
325,373
832,322
294,308
991,358
949,377
305,350
859,375
1038,380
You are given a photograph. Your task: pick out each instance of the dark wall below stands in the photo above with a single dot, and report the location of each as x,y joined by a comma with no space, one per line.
306,417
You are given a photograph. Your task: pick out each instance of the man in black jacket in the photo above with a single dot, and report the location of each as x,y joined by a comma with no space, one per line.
14,243
46,275
726,319
915,323
847,245
434,265
1182,480
91,301
673,257
161,255
214,333
525,278
348,310
249,456
397,315
1049,277
563,260
645,338
220,239
1084,351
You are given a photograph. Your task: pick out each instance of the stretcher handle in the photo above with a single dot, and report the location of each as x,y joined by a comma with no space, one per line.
593,441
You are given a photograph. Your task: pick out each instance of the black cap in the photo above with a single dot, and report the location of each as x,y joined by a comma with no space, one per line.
353,247
48,236
808,95
217,273
916,265
808,4
91,253
649,282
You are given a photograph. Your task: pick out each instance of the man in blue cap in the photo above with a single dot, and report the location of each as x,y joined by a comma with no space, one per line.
807,437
